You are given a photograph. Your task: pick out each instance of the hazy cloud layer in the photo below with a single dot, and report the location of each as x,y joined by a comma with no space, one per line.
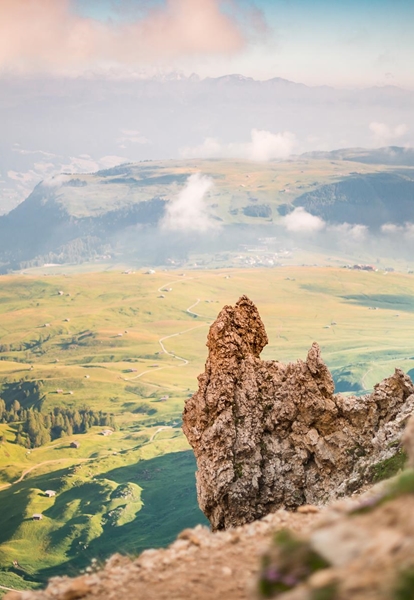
188,211
263,146
50,172
353,233
402,231
301,222
39,35
386,134
131,136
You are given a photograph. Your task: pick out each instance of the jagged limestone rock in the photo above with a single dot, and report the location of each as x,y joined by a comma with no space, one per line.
267,434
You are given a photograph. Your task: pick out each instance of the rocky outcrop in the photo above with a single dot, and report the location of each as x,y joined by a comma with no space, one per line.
268,435
361,549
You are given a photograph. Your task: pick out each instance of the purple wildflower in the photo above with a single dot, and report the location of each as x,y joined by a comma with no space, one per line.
272,575
367,503
290,580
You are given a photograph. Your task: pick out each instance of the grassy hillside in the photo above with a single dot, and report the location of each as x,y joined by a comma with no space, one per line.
370,200
123,344
116,213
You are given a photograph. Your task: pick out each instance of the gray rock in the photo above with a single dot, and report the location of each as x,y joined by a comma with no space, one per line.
269,435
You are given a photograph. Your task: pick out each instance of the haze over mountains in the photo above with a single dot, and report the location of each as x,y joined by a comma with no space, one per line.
165,212
51,125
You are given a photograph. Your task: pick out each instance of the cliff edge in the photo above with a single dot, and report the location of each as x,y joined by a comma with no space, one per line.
268,435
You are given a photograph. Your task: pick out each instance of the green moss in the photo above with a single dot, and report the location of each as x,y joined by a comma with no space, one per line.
288,544
403,485
394,444
328,592
289,562
238,470
389,467
404,589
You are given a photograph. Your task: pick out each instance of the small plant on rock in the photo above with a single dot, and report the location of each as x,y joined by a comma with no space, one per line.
289,562
404,589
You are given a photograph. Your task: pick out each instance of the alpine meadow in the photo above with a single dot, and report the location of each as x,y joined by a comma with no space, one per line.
206,300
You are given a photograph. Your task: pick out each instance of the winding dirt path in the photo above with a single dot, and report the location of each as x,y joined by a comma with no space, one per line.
364,376
3,587
164,287
161,340
165,351
45,462
152,438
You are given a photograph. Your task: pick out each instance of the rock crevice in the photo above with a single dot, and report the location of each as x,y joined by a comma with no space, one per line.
268,435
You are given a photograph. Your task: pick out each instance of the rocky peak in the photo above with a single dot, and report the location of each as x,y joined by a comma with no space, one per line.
268,435
238,332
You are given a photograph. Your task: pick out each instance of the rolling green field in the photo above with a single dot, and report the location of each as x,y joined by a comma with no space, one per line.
236,182
122,343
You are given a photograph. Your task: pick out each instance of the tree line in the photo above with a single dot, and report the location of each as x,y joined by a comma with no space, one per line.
36,428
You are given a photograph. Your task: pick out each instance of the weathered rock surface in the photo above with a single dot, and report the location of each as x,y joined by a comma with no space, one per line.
268,435
199,565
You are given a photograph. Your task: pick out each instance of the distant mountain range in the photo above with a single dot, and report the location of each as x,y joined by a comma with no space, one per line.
391,155
85,124
117,212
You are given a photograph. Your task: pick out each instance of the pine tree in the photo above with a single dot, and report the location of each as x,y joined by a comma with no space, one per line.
2,409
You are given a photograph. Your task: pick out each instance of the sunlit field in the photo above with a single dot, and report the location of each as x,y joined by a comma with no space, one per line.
132,344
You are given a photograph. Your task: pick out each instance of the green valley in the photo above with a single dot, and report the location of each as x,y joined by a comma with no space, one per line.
132,344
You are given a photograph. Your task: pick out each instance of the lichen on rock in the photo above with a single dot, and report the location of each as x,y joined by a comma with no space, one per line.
268,435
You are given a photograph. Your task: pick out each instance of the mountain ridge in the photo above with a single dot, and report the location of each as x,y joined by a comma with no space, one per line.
78,217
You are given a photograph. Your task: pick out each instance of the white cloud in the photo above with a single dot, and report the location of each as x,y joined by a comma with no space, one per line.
86,164
355,233
27,152
385,134
107,162
48,35
49,172
300,221
187,211
131,136
405,231
263,146
55,181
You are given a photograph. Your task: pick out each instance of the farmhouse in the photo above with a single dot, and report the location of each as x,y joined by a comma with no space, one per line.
75,444
107,432
37,517
50,493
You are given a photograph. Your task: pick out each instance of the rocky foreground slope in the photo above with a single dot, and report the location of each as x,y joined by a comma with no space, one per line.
268,435
356,549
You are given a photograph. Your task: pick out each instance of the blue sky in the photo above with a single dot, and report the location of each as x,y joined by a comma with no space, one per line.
337,42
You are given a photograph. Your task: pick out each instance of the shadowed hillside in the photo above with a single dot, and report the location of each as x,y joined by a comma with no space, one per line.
372,200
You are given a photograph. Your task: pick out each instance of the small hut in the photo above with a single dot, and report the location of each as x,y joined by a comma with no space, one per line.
50,493
75,444
37,517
